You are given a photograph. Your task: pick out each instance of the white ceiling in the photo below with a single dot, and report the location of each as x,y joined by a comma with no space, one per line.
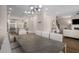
62,9
18,10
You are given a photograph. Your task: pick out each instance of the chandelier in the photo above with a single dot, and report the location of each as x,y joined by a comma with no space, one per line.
35,9
32,9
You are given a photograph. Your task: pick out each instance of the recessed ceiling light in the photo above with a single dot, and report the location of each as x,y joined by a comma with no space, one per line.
10,8
39,9
28,12
32,12
40,6
31,7
25,11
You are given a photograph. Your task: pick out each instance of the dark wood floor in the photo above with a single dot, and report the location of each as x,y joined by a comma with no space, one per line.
72,45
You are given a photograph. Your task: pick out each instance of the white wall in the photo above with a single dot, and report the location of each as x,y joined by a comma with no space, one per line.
47,23
3,21
19,21
5,46
34,20
40,22
31,24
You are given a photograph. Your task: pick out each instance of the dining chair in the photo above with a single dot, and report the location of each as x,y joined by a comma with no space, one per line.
45,34
56,36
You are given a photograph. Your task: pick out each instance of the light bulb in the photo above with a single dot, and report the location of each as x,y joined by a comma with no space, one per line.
10,8
40,6
25,11
31,7
32,12
39,9
28,12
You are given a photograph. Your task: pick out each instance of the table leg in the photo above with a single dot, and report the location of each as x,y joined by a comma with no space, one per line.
65,48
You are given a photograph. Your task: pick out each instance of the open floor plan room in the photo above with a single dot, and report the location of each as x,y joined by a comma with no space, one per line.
39,28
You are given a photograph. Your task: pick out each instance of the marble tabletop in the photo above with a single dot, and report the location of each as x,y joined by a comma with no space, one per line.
32,43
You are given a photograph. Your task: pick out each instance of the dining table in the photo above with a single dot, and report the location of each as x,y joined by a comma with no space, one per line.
32,43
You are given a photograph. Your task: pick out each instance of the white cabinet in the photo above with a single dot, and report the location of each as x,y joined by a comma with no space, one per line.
57,37
45,34
71,33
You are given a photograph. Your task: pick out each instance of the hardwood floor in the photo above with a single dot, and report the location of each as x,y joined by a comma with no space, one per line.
72,45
